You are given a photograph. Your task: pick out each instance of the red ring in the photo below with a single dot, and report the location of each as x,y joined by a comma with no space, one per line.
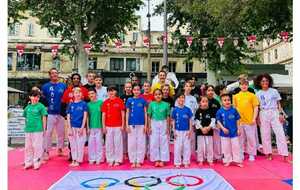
168,180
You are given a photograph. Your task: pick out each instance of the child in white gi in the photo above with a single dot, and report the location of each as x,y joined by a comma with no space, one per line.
76,117
191,102
136,120
205,122
182,125
270,115
227,118
94,126
35,115
158,120
247,105
113,120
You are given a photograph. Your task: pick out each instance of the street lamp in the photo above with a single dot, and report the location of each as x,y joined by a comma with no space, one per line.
149,47
165,54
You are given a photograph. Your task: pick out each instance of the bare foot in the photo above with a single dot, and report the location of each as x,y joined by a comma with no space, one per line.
186,165
133,165
177,166
110,164
200,164
240,165
156,164
286,159
161,164
138,165
27,167
269,157
211,163
117,164
226,164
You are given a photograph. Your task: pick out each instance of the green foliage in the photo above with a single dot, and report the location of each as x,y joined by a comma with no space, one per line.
98,20
15,10
227,18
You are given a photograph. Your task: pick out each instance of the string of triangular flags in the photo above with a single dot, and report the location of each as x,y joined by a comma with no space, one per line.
220,40
189,40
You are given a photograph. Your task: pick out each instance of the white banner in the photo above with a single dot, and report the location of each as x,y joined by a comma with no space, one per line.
160,179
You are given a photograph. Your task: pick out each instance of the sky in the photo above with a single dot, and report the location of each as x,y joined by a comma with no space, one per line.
156,22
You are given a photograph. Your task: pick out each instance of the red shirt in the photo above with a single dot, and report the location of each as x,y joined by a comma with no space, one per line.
68,94
149,97
113,112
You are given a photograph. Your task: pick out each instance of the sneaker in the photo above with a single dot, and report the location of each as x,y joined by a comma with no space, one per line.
251,158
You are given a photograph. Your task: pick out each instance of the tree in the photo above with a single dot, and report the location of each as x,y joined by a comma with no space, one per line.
85,21
15,9
227,18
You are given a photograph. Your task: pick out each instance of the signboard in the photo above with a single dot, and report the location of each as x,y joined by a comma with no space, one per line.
16,123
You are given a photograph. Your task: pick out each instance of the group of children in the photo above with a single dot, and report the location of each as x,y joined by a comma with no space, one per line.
201,128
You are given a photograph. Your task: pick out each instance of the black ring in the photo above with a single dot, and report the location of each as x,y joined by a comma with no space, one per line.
158,181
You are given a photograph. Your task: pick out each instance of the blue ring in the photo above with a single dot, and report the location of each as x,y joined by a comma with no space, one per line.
84,184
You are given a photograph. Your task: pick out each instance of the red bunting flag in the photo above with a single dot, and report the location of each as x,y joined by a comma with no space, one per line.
20,49
146,41
189,40
221,41
118,44
284,36
87,47
54,50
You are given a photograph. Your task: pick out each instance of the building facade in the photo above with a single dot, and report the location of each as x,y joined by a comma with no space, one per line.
115,64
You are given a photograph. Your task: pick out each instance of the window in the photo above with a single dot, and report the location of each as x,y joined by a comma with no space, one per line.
269,57
122,37
132,64
29,62
30,29
9,61
14,30
116,64
189,67
92,63
135,36
155,66
275,53
172,66
56,63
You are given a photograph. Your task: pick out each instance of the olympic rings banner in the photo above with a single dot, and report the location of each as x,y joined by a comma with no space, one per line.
162,179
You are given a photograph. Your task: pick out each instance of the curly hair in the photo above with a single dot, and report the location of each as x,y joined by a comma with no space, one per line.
259,78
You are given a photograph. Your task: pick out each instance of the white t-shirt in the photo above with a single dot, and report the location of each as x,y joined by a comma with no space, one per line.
171,77
268,99
102,93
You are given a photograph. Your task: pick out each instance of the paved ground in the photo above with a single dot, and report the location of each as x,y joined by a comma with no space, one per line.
261,174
